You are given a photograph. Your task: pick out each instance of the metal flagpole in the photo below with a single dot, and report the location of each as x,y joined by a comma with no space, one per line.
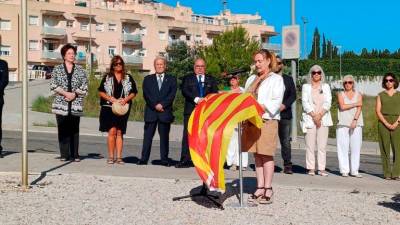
24,73
240,164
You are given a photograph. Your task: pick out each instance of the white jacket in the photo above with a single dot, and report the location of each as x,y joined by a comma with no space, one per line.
308,106
270,94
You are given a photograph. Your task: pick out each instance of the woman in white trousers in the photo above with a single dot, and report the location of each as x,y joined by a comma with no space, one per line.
232,157
316,119
349,128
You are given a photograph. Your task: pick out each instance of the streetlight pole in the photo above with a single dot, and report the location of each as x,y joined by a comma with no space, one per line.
293,64
24,72
305,21
340,60
90,38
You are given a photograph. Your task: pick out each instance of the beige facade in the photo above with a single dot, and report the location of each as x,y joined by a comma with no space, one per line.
135,29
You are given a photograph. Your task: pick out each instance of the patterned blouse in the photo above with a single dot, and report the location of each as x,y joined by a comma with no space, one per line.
79,85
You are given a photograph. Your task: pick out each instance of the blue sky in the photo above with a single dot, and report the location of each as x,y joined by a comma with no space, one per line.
353,24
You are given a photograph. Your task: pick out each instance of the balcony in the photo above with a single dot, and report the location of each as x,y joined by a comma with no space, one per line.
272,47
176,42
53,32
51,56
132,39
132,59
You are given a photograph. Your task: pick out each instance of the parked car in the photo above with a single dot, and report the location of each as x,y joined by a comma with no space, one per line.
47,69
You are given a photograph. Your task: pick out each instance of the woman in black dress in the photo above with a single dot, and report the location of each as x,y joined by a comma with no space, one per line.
116,86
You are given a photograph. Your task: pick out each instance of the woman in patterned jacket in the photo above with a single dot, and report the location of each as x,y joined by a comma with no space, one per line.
69,85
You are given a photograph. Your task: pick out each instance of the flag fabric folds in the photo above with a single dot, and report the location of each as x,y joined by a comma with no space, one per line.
210,129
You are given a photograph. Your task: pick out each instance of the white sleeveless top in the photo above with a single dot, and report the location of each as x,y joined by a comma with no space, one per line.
346,117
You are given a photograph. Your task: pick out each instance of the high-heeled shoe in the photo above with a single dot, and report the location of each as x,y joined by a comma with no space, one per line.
253,198
266,199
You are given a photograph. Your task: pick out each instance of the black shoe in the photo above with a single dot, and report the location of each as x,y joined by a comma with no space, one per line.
165,163
1,155
288,169
141,162
184,164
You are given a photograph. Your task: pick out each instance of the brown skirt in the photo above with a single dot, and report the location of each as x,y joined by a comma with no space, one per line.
261,141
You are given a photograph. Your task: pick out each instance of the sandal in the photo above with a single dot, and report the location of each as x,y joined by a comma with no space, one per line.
110,161
255,198
266,199
120,161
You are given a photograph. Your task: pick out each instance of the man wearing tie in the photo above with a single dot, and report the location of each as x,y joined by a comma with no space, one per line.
3,84
159,91
194,88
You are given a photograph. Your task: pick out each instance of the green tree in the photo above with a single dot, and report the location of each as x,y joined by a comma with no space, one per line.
316,46
324,48
231,50
180,59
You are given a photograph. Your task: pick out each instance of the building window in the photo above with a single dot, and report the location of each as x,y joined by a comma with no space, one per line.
85,25
33,20
5,25
198,37
162,35
100,27
5,50
112,50
112,27
70,23
33,45
188,37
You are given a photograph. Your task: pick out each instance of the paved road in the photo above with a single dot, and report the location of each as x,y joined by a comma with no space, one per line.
93,146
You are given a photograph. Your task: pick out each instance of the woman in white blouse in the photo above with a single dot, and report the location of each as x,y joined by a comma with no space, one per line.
349,128
316,99
268,88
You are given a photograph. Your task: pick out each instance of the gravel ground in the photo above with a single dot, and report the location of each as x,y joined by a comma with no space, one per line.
88,199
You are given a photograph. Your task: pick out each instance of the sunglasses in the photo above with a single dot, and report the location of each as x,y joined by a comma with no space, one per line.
118,64
279,63
316,72
389,80
348,82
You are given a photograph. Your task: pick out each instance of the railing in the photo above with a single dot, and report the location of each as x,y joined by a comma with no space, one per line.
53,31
272,47
175,41
36,74
51,55
132,59
132,37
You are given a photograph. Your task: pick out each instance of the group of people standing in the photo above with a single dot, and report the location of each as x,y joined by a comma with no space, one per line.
273,91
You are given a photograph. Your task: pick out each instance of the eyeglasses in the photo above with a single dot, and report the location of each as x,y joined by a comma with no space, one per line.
118,64
348,82
389,80
316,72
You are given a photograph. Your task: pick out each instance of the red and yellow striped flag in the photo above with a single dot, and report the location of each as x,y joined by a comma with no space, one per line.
210,129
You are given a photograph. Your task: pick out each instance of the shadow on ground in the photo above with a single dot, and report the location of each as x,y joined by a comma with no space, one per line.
395,204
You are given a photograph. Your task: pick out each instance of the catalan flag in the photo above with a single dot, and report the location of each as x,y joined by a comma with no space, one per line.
210,129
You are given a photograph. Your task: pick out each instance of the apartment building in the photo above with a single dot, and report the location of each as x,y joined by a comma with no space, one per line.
138,30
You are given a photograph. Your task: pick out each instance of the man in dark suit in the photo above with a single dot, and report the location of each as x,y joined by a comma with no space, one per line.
159,91
194,88
285,123
3,85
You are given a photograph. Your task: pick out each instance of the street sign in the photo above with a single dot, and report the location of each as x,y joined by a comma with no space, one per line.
291,42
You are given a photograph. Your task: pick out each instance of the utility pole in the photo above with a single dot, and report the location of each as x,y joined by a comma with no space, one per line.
305,21
294,114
